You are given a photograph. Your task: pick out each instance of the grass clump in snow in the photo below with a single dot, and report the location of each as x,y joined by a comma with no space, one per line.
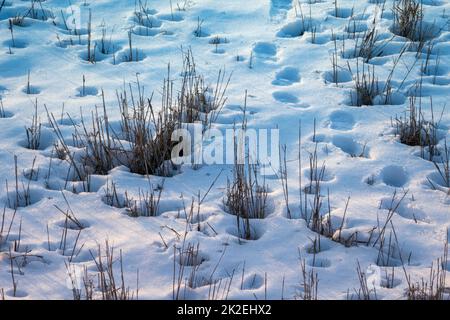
34,131
366,88
144,141
21,195
443,170
414,130
146,205
109,282
408,16
364,292
409,22
434,287
149,134
196,101
309,284
246,197
145,146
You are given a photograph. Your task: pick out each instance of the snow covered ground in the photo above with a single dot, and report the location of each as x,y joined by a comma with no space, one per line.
281,52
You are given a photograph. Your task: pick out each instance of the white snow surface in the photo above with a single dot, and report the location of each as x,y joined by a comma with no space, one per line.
287,78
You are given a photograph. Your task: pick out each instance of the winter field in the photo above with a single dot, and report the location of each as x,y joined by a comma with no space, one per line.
259,149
